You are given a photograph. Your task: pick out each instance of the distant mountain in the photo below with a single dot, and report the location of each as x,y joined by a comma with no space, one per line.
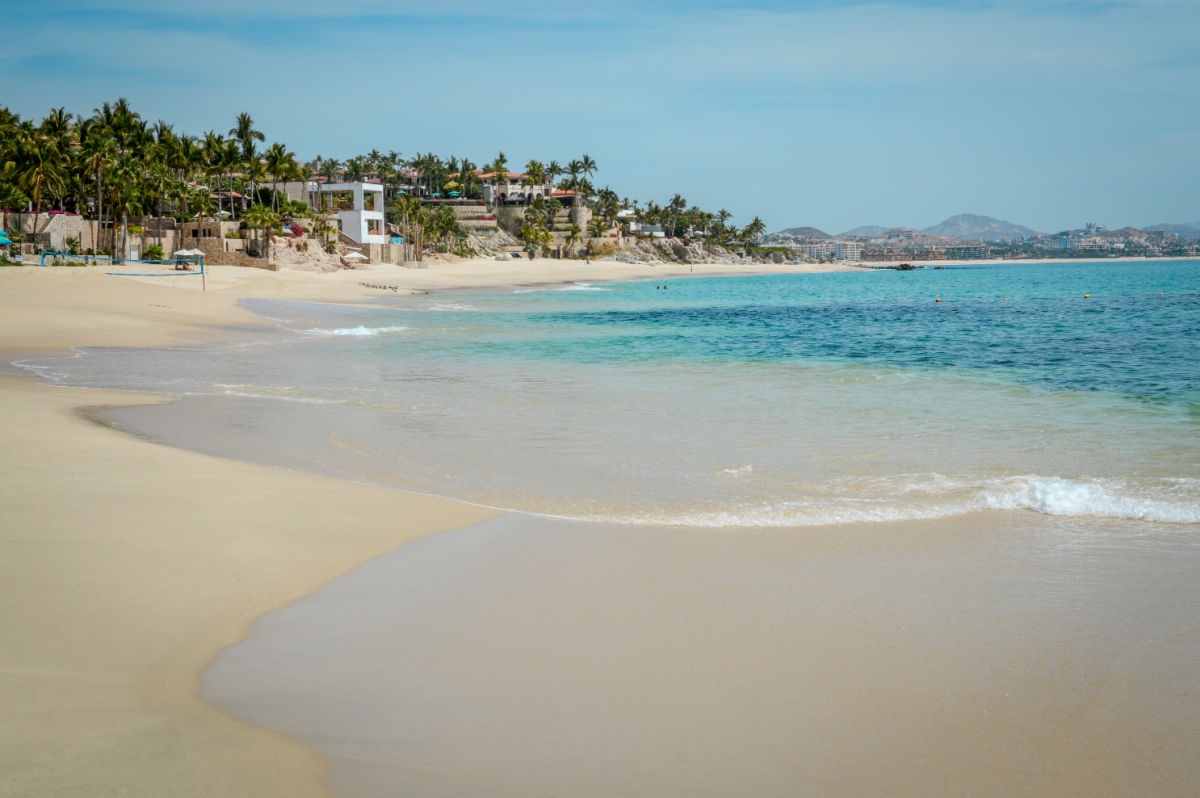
807,233
1182,230
867,231
980,228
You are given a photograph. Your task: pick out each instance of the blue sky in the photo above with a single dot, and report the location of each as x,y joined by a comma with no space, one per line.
832,114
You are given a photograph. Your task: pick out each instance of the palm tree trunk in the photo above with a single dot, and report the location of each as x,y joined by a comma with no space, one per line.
124,233
99,211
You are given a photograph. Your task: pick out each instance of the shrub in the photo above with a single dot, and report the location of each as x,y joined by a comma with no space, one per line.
153,252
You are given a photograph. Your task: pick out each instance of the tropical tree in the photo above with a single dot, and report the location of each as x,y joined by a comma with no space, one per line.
260,217
42,172
753,231
535,174
674,208
406,214
356,169
573,234
468,176
244,133
96,153
320,226
329,168
554,170
537,239
280,162
587,165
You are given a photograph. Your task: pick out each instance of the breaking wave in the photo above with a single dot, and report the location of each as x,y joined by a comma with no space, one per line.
360,331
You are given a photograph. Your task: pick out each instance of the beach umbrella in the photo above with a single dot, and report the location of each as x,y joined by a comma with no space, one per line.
355,256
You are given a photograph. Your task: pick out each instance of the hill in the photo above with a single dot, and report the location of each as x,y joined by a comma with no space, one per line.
866,231
802,233
1182,230
980,228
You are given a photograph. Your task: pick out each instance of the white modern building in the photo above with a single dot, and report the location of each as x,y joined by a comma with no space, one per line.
358,208
848,251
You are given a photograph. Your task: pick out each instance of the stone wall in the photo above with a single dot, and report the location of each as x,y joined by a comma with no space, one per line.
221,252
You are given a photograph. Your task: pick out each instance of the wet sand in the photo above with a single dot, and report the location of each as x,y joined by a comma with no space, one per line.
125,566
993,654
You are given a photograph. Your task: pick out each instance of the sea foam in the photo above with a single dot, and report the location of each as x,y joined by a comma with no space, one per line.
360,331
1088,498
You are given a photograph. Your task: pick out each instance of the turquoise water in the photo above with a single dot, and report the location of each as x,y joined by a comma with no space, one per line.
1066,389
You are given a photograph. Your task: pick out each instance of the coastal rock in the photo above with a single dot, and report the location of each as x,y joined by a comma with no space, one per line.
676,250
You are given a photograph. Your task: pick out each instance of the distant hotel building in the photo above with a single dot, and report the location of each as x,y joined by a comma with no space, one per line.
966,252
849,251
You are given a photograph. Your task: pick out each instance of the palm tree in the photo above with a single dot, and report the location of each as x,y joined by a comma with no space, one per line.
279,160
256,174
245,134
754,230
554,170
42,173
468,177
587,165
97,152
413,220
130,195
158,182
573,237
329,168
574,169
356,169
535,174
260,217
675,207
498,169
322,228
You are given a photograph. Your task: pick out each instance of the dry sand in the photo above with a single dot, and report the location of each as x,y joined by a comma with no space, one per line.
126,566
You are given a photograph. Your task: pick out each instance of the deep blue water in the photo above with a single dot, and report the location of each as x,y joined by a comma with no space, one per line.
1128,328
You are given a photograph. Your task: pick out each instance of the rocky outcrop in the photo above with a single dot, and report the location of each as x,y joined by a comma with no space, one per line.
677,250
491,242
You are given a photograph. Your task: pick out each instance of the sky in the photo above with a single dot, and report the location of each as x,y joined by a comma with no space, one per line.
1046,113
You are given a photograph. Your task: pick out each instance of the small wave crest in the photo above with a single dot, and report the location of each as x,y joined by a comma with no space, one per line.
281,394
914,498
1089,498
360,331
571,287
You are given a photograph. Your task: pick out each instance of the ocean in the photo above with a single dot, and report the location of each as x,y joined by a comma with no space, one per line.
879,532
1067,389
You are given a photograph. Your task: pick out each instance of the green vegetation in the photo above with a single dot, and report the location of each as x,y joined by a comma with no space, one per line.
113,165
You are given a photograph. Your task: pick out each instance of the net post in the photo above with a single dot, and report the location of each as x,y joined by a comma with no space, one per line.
203,279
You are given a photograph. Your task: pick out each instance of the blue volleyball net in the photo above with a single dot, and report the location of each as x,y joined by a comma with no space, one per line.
182,266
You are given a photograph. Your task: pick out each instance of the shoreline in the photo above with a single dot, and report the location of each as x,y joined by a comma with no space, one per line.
129,565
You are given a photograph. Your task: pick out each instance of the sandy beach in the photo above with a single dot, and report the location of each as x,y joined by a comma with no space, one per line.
127,565
980,653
